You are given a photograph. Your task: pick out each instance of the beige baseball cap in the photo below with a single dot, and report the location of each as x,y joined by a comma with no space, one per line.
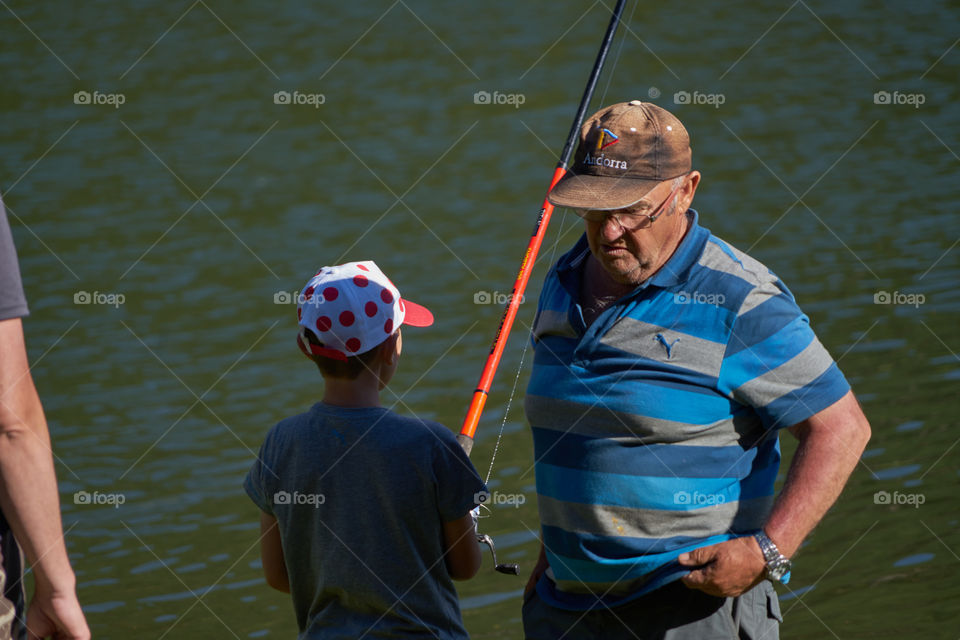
625,150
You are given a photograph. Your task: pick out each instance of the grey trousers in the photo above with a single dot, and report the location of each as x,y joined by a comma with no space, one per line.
672,612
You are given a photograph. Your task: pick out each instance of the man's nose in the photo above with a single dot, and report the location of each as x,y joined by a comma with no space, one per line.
610,229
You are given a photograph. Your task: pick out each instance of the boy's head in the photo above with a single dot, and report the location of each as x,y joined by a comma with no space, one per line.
346,312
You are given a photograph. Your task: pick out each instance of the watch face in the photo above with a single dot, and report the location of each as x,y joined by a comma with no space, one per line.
779,569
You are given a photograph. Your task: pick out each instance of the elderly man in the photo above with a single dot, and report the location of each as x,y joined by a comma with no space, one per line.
666,362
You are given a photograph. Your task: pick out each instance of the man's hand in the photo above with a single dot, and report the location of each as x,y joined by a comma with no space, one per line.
726,569
542,565
56,616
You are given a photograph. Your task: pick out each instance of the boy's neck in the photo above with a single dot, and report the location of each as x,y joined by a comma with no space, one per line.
363,391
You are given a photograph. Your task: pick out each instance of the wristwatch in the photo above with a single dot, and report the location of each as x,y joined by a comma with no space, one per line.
778,565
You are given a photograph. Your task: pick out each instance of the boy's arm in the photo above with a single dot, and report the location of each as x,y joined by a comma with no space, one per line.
462,551
271,554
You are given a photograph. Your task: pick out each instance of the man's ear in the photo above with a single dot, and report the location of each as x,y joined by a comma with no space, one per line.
690,188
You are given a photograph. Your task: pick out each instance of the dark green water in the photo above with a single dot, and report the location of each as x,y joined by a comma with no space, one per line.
199,198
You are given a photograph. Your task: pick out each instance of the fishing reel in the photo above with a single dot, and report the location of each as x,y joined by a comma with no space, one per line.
482,538
510,569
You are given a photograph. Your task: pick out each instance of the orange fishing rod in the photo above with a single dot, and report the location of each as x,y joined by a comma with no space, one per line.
533,248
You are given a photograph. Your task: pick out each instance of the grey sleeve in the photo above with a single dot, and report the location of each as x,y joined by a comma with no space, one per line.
255,483
13,304
458,482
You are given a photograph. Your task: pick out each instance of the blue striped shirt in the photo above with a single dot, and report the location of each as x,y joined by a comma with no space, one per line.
655,428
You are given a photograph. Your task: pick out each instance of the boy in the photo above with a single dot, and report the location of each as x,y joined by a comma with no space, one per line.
366,515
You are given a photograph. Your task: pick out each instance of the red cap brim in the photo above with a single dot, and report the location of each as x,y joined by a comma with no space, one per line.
317,350
416,315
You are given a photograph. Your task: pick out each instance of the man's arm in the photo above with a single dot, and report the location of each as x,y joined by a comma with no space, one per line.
29,495
542,565
831,443
271,554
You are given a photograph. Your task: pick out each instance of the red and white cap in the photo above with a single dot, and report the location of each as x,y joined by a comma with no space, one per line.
352,308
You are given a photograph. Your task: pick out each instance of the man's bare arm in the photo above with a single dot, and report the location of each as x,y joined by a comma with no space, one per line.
29,495
831,443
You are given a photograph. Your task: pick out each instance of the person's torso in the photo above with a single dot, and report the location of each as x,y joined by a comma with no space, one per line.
641,454
360,525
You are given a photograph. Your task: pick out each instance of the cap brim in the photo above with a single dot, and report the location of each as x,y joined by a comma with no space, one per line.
601,193
416,315
311,350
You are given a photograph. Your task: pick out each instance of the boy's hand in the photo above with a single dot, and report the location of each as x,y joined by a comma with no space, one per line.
475,515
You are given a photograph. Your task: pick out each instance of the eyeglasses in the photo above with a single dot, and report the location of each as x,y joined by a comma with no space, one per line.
627,219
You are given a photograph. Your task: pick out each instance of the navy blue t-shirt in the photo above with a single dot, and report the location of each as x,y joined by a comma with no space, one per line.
360,496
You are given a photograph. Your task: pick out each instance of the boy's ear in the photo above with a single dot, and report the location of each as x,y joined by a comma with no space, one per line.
388,349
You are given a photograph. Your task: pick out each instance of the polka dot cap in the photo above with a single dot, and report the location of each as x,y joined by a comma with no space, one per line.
352,308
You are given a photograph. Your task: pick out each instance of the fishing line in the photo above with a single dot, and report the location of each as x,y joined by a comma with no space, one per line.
506,412
523,355
616,61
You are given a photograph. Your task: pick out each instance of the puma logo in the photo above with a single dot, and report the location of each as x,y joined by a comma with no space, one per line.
667,345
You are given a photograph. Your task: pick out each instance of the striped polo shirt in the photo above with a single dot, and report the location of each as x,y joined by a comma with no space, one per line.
655,429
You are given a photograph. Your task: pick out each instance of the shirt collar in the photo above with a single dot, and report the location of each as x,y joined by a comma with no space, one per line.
674,272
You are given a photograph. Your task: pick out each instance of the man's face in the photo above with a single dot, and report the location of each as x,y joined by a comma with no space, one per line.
630,257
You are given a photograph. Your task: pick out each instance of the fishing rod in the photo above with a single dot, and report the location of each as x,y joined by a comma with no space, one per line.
469,428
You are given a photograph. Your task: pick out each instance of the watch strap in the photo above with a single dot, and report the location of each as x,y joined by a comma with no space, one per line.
778,565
